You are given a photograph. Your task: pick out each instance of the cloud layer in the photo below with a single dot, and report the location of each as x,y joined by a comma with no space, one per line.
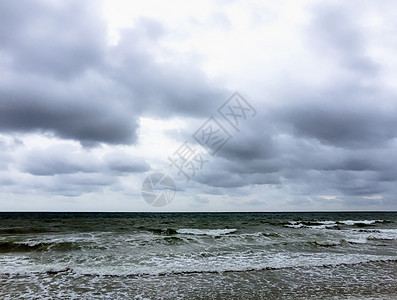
321,79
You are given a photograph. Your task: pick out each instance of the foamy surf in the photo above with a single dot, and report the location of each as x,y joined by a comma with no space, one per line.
316,224
201,264
209,232
366,222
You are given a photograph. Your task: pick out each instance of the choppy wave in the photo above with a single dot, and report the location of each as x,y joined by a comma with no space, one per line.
332,224
15,247
209,232
362,223
311,224
197,269
17,230
189,231
325,243
164,231
248,268
149,245
382,234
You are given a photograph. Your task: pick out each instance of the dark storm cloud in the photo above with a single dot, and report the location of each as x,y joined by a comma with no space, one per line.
56,38
225,173
338,140
254,142
68,114
160,89
46,84
60,76
342,118
313,148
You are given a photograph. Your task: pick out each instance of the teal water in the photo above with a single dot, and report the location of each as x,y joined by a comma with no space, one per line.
198,255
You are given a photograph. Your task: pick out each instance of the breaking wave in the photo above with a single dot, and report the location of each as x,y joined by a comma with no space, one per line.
15,247
209,232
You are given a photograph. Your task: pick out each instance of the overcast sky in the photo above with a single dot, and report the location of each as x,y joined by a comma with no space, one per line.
96,96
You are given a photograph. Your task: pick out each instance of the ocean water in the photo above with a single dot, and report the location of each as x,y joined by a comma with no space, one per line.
198,255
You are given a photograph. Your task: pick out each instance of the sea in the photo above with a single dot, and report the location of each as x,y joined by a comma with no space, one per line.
338,255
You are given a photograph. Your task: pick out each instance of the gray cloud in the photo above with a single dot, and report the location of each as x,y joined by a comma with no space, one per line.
340,142
342,117
124,163
60,76
6,148
313,147
65,159
73,185
49,83
160,89
55,38
57,160
337,35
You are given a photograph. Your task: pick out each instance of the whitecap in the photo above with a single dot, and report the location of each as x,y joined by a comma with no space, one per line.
367,222
210,232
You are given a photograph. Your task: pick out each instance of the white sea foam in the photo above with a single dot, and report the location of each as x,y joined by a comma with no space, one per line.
367,222
360,240
381,234
323,224
387,234
329,224
210,232
294,225
195,263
